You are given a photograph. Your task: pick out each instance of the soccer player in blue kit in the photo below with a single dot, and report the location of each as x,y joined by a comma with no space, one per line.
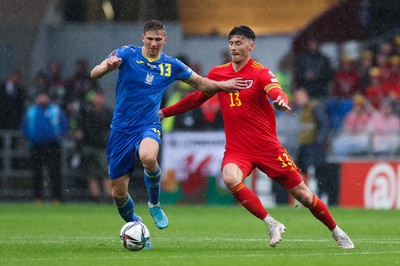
144,75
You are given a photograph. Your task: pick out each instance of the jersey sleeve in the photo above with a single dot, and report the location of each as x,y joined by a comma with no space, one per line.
188,103
122,52
271,85
183,71
268,80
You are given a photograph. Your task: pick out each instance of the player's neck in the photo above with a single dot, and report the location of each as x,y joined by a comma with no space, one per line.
238,66
149,57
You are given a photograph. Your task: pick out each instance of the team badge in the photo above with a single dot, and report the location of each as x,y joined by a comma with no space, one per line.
113,53
149,79
249,83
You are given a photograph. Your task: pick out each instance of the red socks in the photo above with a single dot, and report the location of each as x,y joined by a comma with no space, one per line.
249,200
321,212
252,203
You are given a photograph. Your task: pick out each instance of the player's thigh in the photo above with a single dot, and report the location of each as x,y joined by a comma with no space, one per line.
120,154
235,167
279,166
148,150
149,146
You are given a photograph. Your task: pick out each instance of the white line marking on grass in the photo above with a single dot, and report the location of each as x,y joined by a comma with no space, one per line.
185,239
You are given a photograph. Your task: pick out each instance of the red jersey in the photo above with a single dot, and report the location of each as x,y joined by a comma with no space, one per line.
249,118
249,121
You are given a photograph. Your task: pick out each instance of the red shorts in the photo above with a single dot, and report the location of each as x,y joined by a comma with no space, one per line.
276,164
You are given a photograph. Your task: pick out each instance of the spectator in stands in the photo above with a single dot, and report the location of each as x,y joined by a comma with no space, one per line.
396,42
347,81
313,71
56,82
392,84
92,133
12,101
80,87
384,66
313,137
365,64
285,75
40,83
386,48
44,124
385,129
79,91
353,138
375,92
287,128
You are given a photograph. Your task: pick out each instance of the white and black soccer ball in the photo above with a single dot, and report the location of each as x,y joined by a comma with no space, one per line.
134,235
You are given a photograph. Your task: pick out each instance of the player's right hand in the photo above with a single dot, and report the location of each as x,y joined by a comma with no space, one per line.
233,85
113,62
280,104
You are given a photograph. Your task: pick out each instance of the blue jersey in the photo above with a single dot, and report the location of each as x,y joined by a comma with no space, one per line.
140,87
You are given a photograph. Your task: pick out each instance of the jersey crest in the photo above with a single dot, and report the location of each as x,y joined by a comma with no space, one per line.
249,83
149,79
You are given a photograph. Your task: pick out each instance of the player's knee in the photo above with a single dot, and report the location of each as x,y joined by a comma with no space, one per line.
148,160
306,199
230,180
118,195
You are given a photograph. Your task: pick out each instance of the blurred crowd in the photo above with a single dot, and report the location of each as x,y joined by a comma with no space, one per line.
54,108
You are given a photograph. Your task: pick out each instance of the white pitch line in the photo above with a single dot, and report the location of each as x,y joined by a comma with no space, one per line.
188,239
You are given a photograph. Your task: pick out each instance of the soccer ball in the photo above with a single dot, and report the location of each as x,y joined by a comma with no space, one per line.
134,235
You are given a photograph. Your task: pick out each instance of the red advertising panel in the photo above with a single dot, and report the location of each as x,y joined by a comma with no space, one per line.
370,184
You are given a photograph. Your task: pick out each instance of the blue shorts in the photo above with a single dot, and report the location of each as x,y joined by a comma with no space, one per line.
122,149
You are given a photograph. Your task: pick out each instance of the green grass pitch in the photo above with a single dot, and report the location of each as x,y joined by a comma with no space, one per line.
85,234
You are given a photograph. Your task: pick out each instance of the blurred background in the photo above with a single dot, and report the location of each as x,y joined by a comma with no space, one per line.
344,53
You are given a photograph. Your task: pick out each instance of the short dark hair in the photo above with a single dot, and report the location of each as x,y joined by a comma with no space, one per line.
155,25
242,31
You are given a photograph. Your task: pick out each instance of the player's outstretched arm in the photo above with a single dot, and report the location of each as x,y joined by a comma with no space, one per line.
211,86
106,66
188,103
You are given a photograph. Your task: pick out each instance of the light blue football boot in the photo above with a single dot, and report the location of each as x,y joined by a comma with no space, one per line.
160,219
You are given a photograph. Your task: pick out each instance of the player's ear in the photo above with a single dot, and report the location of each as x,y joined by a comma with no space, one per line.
143,38
165,39
252,45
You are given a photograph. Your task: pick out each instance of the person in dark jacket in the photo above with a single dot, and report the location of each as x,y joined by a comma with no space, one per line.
313,136
92,134
44,124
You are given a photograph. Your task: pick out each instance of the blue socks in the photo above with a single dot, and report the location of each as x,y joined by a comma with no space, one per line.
152,181
127,210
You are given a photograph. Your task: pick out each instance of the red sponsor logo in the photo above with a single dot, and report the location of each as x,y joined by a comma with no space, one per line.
372,185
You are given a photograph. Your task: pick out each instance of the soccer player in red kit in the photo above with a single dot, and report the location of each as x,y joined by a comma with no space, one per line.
251,139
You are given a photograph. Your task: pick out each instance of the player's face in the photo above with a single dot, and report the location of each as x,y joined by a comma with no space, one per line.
153,42
240,48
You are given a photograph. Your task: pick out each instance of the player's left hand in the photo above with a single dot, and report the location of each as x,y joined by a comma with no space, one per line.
280,104
233,85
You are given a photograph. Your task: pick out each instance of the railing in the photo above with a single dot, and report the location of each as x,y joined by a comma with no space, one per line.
364,145
16,174
15,170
